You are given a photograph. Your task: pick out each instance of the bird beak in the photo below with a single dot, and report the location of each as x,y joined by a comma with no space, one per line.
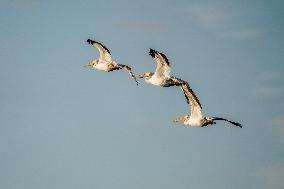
86,65
138,76
180,119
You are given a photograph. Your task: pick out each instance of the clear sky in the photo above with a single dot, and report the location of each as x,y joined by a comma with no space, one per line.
63,126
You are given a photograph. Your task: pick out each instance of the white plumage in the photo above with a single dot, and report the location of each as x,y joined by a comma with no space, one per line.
196,119
105,62
162,76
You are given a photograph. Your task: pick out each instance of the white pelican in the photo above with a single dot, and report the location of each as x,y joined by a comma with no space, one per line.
162,76
105,62
196,119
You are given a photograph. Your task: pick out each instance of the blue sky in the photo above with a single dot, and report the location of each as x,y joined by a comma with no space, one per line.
64,126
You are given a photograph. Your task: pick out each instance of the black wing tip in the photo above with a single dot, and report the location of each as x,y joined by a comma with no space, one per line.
232,122
91,42
152,52
137,83
239,125
236,124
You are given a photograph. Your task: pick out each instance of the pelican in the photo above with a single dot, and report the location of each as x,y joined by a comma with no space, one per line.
196,119
105,62
162,76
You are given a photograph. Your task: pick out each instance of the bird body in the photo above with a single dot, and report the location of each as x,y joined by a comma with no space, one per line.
102,65
157,80
195,122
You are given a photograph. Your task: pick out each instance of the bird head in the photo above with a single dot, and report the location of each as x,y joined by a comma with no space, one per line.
91,63
182,119
146,76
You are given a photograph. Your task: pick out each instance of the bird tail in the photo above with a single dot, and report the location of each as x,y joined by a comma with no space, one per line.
232,122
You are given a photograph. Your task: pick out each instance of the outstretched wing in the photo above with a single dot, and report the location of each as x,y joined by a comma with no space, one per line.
104,52
195,106
232,122
163,68
129,70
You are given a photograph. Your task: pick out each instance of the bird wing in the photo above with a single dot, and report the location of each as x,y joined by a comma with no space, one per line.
129,70
232,122
195,106
163,68
104,52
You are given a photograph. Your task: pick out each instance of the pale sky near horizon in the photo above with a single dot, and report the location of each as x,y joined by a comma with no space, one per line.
63,126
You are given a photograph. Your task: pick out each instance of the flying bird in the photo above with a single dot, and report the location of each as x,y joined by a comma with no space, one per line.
162,76
196,119
105,62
